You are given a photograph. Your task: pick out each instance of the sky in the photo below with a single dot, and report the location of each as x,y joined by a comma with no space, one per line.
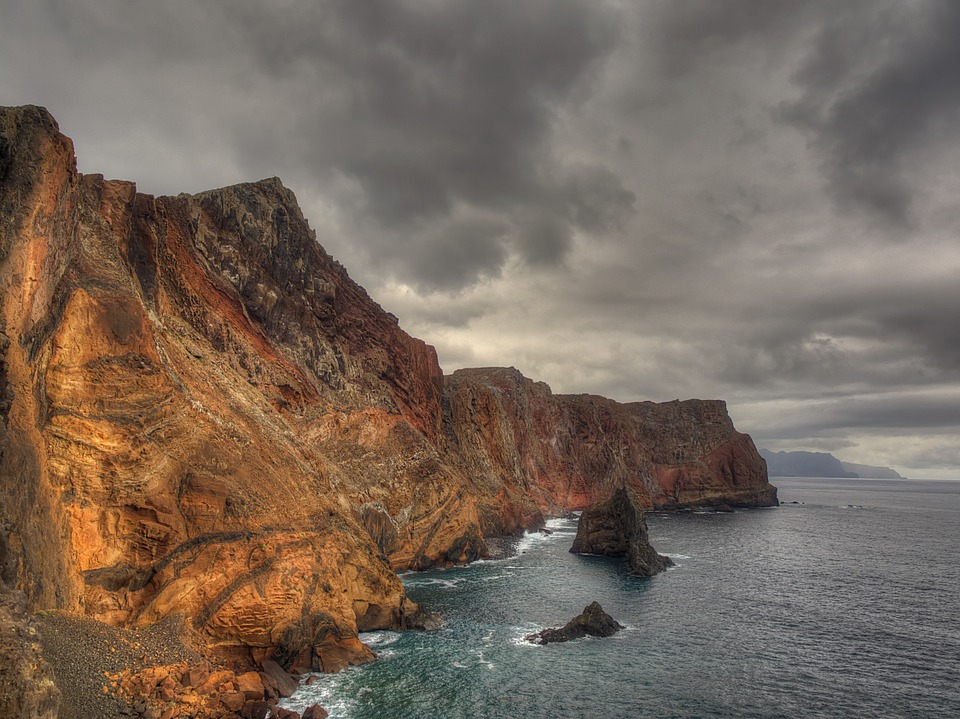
755,201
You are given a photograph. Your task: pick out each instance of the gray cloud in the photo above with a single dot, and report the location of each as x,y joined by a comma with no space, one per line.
878,84
430,105
753,199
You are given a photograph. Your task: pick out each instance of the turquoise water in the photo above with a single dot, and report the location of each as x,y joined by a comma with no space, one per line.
845,605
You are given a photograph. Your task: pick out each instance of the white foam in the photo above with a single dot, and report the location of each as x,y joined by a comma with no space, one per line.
494,577
379,639
518,636
434,582
323,691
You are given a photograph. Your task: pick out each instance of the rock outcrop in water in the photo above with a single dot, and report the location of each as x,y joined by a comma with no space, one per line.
616,527
202,414
592,622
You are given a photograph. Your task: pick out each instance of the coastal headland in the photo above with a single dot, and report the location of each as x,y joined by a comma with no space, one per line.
204,419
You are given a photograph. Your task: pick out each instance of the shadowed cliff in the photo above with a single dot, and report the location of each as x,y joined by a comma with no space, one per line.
202,414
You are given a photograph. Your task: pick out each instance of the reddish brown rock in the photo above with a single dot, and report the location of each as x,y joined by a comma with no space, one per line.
250,685
255,709
315,712
275,674
202,415
177,374
534,452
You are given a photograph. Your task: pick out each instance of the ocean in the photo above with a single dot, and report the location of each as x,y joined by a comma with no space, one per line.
846,604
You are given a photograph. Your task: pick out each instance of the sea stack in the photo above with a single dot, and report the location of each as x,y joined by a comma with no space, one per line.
616,528
593,622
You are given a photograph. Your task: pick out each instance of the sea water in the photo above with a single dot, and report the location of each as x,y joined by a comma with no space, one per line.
846,604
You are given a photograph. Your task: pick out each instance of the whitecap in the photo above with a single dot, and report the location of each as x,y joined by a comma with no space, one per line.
379,639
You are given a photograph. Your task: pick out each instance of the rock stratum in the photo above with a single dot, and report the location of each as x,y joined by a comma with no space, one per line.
202,414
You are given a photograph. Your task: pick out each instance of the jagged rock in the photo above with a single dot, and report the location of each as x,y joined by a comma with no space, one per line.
315,711
593,622
616,528
538,452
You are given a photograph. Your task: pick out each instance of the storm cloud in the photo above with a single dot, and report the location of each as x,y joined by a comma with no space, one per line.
753,200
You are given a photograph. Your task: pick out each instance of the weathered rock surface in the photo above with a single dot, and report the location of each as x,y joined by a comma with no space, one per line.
27,689
593,621
200,409
540,453
202,415
615,527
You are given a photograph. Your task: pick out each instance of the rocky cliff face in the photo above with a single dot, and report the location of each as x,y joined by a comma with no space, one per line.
536,451
203,414
201,410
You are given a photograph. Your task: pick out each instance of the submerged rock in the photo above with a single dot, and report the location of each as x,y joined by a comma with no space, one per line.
593,621
616,528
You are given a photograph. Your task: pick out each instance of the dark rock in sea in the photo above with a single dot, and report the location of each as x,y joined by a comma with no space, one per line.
616,528
315,712
594,622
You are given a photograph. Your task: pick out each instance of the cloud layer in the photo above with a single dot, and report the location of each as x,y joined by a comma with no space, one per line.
753,200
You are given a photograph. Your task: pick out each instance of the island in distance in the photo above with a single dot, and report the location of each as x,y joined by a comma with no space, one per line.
821,464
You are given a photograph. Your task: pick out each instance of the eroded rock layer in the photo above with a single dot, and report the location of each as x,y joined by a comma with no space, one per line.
202,414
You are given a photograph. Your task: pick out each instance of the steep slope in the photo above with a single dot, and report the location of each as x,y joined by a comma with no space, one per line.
539,452
199,407
202,414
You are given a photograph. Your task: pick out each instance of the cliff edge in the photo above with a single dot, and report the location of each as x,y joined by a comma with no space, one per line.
202,414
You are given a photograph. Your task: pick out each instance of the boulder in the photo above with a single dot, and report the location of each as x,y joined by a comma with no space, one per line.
616,528
593,622
286,685
251,685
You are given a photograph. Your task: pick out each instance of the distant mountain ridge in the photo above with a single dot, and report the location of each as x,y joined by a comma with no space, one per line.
820,464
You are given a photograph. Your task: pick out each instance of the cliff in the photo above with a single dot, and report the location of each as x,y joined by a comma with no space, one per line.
200,409
202,414
539,452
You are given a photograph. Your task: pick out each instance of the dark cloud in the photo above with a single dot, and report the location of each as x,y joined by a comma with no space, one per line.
654,200
456,255
430,105
878,83
905,414
693,32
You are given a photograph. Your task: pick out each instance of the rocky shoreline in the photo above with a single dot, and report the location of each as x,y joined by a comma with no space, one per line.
111,673
202,414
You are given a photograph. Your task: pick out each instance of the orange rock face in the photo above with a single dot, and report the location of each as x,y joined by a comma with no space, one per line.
202,414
